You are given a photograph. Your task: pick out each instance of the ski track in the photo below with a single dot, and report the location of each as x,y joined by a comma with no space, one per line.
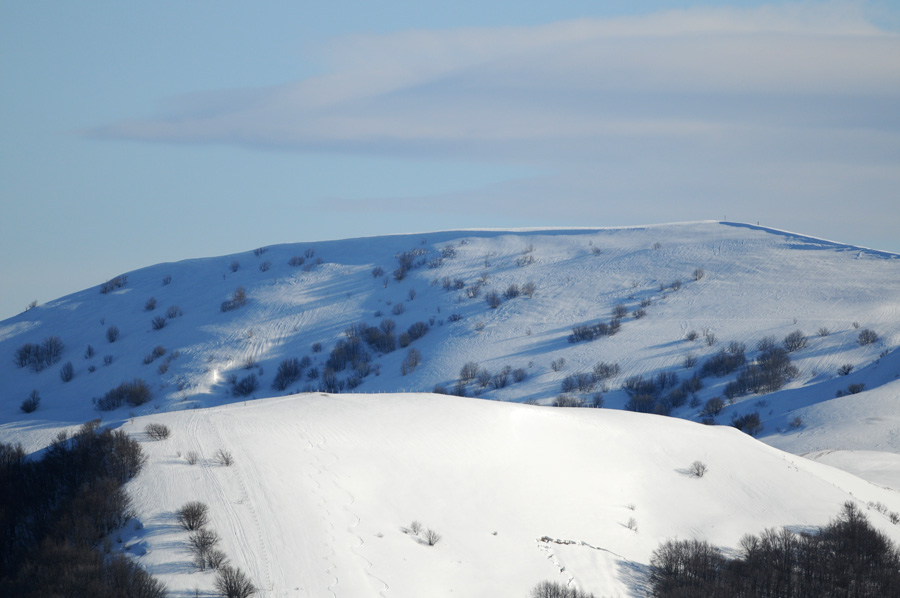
257,559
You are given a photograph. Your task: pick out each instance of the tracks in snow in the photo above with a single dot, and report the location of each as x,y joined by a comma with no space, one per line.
323,474
252,546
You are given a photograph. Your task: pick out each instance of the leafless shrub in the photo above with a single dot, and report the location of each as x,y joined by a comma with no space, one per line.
192,457
158,323
238,299
259,251
30,404
493,299
135,392
689,361
823,331
866,337
67,371
796,422
795,341
411,361
431,537
193,515
231,582
150,305
114,283
112,334
554,589
167,280
157,431
173,312
214,559
698,274
620,311
235,266
713,407
223,457
202,541
264,267
296,261
698,469
845,369
692,335
415,528
558,364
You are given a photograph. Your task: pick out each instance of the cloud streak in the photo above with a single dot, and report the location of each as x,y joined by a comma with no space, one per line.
772,106
682,74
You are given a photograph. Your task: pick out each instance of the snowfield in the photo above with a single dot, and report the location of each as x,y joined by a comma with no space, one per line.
324,489
326,484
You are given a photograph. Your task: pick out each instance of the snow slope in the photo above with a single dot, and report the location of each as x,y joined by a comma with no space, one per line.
324,487
758,282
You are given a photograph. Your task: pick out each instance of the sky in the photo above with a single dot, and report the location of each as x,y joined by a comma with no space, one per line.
138,133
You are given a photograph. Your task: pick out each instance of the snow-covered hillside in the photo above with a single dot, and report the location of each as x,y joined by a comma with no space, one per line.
325,485
324,489
755,283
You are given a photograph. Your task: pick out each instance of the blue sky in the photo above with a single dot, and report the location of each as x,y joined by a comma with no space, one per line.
132,134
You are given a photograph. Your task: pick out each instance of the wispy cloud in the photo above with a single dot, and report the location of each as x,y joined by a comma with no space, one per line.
682,74
771,105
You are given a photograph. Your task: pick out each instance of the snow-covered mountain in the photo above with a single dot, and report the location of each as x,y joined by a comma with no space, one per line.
755,283
660,318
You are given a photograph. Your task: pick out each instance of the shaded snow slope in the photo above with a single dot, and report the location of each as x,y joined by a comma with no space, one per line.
757,282
323,487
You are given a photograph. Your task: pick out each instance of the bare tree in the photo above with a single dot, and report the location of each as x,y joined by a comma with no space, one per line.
231,582
193,515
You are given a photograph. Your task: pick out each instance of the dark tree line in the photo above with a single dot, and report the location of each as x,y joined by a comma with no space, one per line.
847,559
55,512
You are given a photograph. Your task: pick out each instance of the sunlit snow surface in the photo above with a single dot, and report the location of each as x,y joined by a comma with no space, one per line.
323,485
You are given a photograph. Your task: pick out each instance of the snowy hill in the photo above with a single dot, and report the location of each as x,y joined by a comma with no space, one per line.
324,489
325,486
755,283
